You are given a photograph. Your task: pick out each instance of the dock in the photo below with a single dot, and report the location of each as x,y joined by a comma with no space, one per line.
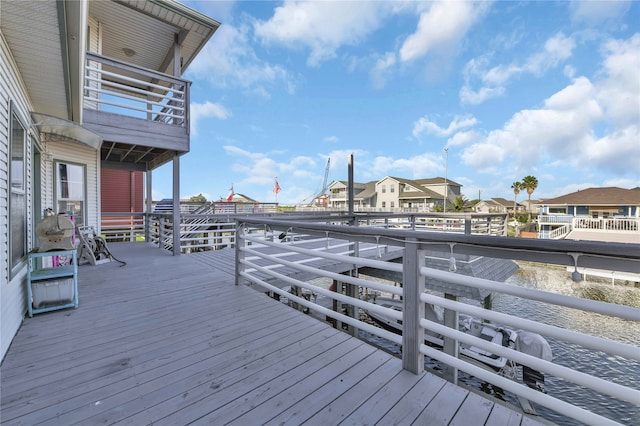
170,340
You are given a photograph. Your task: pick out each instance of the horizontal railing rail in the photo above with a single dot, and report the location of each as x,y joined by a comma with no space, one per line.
126,89
266,258
216,229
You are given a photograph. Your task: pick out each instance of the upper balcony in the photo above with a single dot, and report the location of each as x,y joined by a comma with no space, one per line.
132,91
129,91
142,115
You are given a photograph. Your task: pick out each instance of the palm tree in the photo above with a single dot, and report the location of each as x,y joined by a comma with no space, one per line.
530,183
459,204
516,186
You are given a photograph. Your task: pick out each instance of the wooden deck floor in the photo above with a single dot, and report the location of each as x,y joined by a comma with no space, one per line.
170,340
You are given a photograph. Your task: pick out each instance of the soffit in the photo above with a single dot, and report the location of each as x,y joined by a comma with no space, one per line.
32,33
149,28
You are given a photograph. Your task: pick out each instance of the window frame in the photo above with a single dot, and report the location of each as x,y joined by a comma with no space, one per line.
56,189
15,264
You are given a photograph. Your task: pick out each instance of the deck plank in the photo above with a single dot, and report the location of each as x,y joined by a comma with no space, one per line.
171,340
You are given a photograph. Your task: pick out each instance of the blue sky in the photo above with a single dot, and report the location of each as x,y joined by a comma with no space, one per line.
549,89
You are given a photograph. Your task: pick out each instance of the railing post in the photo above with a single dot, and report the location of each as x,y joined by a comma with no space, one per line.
413,308
467,224
451,345
239,253
161,232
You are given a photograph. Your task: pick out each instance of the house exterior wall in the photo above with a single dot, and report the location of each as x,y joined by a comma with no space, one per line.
13,94
75,153
387,191
12,289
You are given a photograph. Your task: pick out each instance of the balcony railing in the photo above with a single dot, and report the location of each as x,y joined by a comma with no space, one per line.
121,88
627,224
215,228
261,261
555,218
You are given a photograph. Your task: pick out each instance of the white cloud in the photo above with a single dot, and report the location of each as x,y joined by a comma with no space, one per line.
556,49
463,138
492,81
229,61
415,167
596,12
321,27
331,139
619,91
589,125
441,28
459,122
382,69
258,170
206,110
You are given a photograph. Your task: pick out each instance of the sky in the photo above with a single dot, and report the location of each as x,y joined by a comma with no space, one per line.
482,93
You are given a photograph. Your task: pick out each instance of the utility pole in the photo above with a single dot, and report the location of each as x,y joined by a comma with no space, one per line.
446,184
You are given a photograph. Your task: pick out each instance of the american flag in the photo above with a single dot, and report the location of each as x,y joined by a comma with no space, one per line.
276,187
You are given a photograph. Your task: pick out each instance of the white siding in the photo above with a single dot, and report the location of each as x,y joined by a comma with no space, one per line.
95,45
12,293
74,152
13,303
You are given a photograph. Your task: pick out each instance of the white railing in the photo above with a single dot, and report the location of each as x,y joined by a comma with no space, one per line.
216,229
559,232
115,86
263,257
120,227
555,218
624,224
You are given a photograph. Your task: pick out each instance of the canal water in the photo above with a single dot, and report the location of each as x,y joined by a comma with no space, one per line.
619,370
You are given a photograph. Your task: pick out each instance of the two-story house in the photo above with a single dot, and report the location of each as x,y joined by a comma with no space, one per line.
85,87
597,214
364,195
393,193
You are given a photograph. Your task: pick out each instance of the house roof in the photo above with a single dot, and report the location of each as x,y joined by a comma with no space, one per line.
503,202
598,196
437,181
368,191
421,193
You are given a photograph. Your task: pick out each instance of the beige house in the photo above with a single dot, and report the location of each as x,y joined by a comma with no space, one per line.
393,193
498,205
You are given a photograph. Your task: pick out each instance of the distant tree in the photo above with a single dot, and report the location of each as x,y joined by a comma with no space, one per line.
198,199
459,204
530,183
517,187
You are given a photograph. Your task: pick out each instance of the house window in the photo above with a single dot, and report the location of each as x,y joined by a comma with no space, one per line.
18,197
393,204
384,189
384,204
70,190
392,189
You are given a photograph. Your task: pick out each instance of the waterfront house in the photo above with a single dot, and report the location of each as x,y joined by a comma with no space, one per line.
497,205
88,88
395,194
599,214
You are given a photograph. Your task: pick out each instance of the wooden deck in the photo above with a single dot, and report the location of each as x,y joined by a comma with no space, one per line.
171,340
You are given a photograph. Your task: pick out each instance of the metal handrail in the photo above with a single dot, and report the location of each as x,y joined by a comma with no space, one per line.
254,264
